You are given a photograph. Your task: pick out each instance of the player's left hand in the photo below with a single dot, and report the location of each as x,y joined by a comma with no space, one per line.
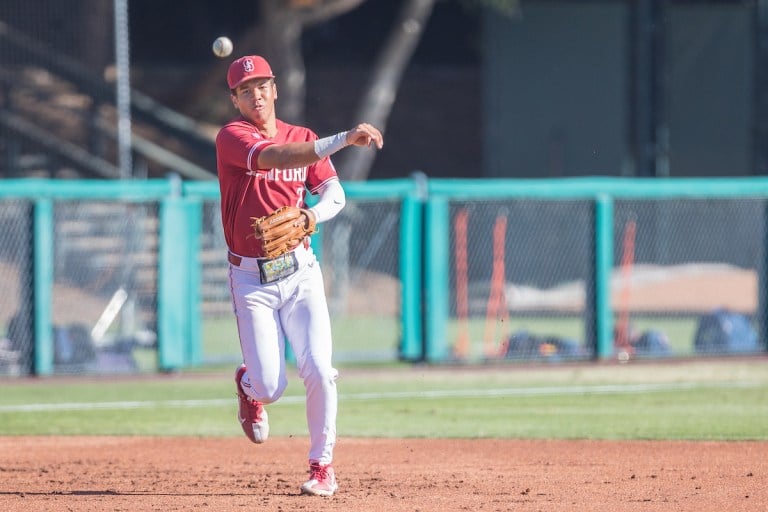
365,134
282,230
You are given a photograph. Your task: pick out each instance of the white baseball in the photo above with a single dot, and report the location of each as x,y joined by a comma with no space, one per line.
222,46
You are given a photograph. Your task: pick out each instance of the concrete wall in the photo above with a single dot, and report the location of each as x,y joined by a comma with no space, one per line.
556,89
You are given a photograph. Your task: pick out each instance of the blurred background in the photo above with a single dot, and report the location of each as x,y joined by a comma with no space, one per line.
469,88
128,92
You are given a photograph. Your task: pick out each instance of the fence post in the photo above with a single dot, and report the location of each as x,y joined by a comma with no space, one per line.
411,254
43,284
437,236
603,313
178,315
193,211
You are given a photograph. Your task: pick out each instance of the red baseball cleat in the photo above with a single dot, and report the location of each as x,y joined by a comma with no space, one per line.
322,480
251,414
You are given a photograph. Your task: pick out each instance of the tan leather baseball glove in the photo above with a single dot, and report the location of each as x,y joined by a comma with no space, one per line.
283,230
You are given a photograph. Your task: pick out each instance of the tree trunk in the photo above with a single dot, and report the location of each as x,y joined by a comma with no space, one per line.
280,30
376,105
277,37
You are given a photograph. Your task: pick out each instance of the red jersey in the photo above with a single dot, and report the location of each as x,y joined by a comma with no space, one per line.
250,192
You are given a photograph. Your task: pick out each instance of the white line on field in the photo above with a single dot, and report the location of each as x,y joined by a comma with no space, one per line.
395,395
399,395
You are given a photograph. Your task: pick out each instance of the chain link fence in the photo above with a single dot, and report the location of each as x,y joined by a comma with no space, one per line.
358,250
105,286
688,275
682,276
103,292
518,275
686,278
16,231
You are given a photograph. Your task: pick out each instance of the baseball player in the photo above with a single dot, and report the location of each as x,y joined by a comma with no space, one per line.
265,164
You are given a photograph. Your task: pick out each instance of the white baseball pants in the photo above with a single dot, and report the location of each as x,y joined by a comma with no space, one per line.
295,309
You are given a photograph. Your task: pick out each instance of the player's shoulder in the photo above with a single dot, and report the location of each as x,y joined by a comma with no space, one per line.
238,128
294,132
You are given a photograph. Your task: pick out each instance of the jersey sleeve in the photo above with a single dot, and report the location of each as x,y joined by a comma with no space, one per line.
238,147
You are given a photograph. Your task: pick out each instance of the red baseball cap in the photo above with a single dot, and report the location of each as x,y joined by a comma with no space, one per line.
245,68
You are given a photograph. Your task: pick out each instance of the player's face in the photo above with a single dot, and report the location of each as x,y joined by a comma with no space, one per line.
255,99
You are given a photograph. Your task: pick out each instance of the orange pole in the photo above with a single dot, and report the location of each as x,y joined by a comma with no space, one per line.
627,262
461,348
497,304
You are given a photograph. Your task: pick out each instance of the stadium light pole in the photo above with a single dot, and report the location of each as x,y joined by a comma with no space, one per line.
123,89
648,131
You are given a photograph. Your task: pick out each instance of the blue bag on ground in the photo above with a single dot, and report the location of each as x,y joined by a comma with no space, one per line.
725,332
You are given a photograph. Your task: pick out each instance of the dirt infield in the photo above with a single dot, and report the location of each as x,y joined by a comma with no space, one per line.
224,474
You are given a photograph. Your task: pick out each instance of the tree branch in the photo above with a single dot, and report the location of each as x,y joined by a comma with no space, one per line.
326,10
380,95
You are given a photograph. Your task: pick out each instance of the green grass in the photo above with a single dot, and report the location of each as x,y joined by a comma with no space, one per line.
669,415
680,331
366,338
699,400
351,335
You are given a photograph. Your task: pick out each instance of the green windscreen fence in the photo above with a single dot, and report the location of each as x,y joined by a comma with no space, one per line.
128,277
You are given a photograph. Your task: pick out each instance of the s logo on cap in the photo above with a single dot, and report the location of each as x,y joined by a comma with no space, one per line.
246,68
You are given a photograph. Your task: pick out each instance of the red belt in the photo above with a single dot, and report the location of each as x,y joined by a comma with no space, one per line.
235,260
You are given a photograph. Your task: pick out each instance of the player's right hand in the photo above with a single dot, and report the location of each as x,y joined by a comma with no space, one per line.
365,134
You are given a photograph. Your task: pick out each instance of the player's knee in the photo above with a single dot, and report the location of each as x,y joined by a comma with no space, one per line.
320,375
268,392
